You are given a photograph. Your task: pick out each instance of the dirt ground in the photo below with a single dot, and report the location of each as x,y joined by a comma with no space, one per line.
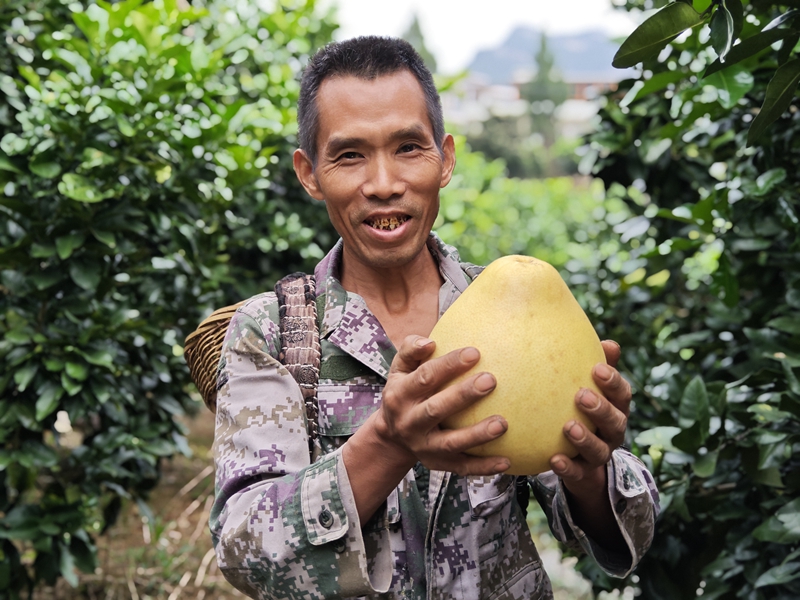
166,555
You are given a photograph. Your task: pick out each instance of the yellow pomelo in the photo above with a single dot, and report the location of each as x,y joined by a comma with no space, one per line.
536,340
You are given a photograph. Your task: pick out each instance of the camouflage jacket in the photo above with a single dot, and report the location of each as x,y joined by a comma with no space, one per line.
287,529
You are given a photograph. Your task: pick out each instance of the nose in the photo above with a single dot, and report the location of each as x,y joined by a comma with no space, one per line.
383,180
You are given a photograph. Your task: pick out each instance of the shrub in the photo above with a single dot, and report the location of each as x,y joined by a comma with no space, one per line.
708,304
145,171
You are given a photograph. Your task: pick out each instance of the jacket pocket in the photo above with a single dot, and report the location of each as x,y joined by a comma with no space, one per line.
487,495
344,408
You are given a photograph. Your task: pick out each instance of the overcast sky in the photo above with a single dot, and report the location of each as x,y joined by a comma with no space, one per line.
456,29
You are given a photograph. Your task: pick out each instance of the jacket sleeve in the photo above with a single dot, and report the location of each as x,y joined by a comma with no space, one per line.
282,527
634,499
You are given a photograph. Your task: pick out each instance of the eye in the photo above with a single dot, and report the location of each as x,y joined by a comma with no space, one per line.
409,147
348,156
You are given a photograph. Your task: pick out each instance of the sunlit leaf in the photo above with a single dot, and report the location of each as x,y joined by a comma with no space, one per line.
722,30
747,48
783,573
82,189
650,37
46,403
778,21
732,85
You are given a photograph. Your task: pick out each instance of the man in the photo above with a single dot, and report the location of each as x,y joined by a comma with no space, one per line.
394,508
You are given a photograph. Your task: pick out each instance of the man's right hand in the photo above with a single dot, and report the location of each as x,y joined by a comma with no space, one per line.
417,398
407,426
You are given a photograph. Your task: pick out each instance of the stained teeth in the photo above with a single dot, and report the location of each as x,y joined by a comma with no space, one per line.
388,223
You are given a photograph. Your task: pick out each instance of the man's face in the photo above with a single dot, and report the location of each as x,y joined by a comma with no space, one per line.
378,169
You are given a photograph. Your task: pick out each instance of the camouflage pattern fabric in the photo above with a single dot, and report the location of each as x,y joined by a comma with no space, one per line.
287,529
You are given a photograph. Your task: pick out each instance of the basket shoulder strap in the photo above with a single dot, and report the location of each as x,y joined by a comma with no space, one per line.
300,344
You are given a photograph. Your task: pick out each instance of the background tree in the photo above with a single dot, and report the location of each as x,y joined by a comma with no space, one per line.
413,36
706,303
545,92
145,177
528,142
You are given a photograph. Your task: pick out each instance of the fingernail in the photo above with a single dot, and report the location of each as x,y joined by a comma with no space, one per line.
575,431
485,382
470,355
558,465
497,427
588,399
604,372
502,466
422,342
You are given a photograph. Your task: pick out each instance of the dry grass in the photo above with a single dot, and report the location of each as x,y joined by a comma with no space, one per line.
166,555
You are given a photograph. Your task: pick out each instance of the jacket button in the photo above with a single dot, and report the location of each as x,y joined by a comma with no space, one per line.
326,518
339,546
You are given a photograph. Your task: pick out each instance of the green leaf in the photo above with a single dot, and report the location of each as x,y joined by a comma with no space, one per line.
737,12
67,565
84,274
783,527
732,85
656,83
787,48
100,358
705,464
71,387
24,375
49,395
779,574
768,180
693,407
778,21
77,371
780,92
786,324
106,237
44,167
6,164
658,436
125,127
650,37
722,31
748,48
82,189
67,244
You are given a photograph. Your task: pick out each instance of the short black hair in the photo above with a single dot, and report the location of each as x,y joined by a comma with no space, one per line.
365,57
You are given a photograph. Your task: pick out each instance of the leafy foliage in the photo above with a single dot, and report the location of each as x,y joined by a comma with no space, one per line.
145,170
707,305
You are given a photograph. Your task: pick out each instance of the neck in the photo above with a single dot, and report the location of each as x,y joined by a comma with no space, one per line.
405,299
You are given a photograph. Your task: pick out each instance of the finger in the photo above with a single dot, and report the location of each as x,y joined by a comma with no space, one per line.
452,399
456,441
612,350
413,350
610,421
575,472
613,386
433,375
591,449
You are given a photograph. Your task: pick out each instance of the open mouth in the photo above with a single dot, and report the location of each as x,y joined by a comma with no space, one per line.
387,223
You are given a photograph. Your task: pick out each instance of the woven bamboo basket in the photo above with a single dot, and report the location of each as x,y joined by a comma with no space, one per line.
202,351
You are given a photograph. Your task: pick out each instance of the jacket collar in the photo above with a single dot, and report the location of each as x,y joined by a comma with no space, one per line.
349,324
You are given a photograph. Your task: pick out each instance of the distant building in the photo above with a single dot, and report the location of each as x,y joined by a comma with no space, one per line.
492,86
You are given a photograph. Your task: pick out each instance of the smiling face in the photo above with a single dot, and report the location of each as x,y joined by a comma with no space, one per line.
378,169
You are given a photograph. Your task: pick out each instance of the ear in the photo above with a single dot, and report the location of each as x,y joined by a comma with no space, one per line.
449,159
304,170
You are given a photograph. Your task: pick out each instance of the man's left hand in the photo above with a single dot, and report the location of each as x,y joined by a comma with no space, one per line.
585,475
